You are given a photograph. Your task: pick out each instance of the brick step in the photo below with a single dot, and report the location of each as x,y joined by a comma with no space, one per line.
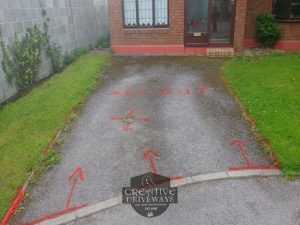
220,52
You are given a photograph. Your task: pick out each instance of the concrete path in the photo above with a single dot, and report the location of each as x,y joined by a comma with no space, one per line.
177,106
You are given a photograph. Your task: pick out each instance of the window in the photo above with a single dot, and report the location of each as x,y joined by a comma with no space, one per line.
145,13
287,9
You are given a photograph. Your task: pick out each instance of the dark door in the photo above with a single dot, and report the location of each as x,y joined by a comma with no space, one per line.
208,22
196,22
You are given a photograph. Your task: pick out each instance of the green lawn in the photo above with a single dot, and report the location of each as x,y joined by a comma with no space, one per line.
269,88
27,125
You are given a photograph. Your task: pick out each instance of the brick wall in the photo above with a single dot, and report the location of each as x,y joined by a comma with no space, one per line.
173,35
291,31
73,24
239,30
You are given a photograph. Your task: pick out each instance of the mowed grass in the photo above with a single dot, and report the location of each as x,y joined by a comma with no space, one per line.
269,88
28,124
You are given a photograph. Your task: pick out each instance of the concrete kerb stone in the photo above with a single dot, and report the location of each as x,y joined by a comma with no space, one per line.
90,210
64,219
182,182
86,211
210,177
252,173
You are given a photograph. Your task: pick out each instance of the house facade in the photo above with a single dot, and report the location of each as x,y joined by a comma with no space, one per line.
195,26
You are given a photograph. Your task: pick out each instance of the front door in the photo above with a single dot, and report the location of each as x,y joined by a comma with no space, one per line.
208,22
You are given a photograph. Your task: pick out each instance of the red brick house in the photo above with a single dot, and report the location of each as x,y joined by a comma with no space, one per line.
195,26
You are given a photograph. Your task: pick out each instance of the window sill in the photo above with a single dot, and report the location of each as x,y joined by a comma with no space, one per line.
157,30
288,21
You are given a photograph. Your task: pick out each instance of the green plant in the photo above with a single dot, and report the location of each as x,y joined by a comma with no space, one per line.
50,160
70,57
24,63
289,174
100,43
53,49
106,43
267,30
54,52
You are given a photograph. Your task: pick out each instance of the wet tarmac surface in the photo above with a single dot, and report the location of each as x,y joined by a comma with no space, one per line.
177,106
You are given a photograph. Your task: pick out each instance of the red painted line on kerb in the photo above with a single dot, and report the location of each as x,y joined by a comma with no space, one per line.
13,206
176,178
55,214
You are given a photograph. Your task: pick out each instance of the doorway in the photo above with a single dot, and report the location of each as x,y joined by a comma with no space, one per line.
208,22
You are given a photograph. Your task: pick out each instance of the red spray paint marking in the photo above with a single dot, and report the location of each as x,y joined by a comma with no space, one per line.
176,178
77,173
127,127
251,120
185,91
127,93
140,92
51,144
202,90
13,206
116,93
55,214
131,113
165,91
241,145
147,155
74,177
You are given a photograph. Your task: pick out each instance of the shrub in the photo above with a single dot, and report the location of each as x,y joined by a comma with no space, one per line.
100,43
70,57
267,30
23,65
54,52
103,42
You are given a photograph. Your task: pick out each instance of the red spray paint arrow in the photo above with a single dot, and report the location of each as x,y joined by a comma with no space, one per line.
148,155
74,176
241,145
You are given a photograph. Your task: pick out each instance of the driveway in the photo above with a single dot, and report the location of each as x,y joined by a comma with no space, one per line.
178,107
